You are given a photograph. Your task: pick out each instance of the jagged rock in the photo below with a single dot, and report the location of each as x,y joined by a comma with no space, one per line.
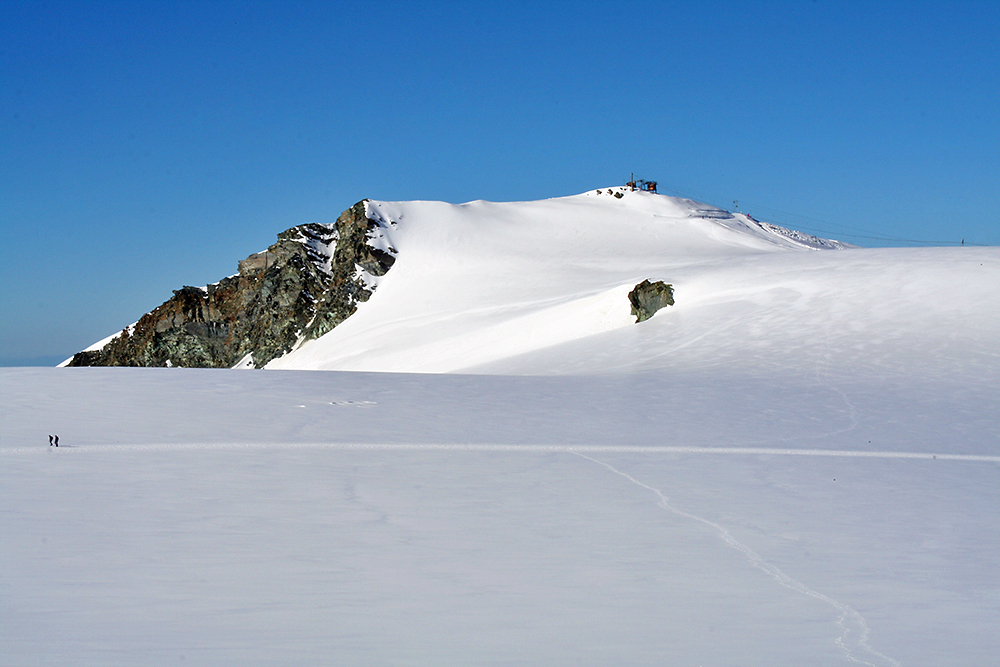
301,287
346,290
648,297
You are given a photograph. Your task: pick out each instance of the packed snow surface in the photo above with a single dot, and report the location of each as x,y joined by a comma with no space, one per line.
797,464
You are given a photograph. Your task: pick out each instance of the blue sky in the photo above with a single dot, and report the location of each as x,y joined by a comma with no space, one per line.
150,145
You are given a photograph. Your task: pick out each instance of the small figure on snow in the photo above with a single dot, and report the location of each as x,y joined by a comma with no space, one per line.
50,441
57,440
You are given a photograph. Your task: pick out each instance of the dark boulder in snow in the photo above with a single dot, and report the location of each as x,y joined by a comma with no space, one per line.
649,297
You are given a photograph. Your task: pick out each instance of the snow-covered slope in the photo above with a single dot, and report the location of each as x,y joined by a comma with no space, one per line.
483,281
541,288
796,464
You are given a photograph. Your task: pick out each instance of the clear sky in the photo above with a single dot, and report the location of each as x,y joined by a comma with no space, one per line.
150,145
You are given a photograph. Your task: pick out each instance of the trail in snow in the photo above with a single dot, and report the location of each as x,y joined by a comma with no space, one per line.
823,378
849,621
486,447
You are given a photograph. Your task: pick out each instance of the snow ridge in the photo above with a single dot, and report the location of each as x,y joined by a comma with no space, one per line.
800,238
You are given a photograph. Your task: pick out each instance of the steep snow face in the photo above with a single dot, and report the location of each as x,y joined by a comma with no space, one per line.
541,288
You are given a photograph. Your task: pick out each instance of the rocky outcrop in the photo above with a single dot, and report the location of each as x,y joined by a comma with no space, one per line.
648,297
300,288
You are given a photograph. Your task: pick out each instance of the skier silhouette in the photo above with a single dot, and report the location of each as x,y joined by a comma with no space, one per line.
50,441
57,441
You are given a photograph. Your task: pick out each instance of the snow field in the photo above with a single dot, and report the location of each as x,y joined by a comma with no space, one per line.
351,517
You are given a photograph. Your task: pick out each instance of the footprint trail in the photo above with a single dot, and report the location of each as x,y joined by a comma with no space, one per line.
854,630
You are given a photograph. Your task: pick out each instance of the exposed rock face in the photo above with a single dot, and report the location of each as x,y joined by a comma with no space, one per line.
647,298
300,288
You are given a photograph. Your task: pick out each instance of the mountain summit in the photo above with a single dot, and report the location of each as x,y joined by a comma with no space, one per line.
316,275
549,287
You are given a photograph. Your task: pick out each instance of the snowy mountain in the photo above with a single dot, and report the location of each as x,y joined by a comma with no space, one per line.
796,463
542,288
534,274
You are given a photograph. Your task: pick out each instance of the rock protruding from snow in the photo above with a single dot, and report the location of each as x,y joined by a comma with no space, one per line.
301,287
649,297
796,237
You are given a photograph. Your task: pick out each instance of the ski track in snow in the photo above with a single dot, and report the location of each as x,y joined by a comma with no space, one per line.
488,447
849,621
854,632
823,378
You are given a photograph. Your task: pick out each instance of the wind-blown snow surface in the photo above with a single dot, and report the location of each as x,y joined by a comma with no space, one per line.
797,464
